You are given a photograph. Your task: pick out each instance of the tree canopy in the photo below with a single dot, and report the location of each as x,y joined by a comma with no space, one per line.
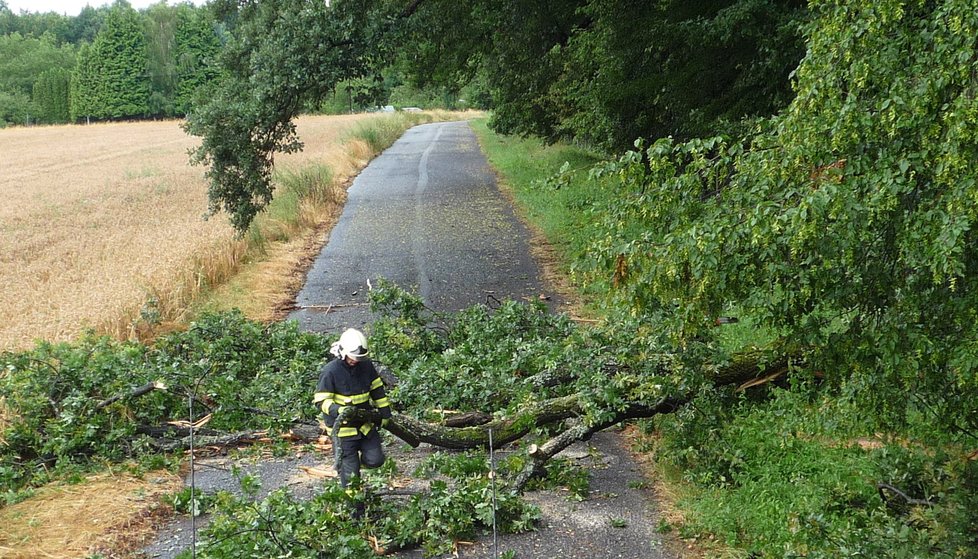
280,56
596,72
607,72
22,60
846,223
112,74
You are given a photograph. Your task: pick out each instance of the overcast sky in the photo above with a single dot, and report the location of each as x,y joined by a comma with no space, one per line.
73,7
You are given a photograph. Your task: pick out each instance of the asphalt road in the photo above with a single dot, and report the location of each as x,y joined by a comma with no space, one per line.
428,215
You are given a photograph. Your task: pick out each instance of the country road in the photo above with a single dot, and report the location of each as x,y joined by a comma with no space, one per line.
426,214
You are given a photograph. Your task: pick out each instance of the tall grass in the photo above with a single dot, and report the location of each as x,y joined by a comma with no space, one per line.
380,134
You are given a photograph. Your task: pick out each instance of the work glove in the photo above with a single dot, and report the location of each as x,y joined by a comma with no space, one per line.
385,422
339,414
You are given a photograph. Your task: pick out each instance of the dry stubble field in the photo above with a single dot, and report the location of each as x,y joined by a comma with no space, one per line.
98,219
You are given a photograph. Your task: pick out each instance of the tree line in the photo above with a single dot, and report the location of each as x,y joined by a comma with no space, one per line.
107,63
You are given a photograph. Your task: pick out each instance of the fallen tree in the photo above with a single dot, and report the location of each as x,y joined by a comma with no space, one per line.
566,414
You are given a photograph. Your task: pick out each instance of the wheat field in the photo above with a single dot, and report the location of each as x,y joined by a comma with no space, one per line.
98,220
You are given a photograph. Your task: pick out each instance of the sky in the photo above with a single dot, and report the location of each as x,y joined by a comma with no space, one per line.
74,7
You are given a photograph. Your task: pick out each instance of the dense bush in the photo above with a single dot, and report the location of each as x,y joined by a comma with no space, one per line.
845,224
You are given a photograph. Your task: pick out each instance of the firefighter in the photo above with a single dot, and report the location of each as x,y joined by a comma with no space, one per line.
351,381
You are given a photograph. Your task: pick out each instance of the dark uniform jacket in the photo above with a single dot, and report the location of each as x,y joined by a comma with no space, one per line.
359,386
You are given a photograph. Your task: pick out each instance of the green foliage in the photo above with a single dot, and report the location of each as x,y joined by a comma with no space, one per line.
148,62
160,24
23,61
458,506
568,69
501,359
112,75
355,95
24,58
50,97
561,472
14,108
789,470
81,98
233,367
280,57
455,465
311,183
52,393
508,44
407,95
604,73
677,68
244,365
481,358
456,510
380,133
197,49
61,28
193,502
843,225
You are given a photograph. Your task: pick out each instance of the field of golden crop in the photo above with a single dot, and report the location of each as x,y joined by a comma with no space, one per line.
96,221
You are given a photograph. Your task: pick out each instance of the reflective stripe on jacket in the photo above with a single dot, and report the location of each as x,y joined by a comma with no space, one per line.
342,385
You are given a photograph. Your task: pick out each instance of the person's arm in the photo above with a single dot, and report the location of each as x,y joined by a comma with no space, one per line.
378,398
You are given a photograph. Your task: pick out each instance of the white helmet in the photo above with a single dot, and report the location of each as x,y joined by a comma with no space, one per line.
352,344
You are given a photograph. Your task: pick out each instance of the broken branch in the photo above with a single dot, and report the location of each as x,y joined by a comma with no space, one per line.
134,393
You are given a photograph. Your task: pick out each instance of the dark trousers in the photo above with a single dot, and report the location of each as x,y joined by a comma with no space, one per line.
352,452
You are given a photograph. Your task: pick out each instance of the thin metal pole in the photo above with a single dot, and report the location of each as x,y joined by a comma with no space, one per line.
193,511
492,481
